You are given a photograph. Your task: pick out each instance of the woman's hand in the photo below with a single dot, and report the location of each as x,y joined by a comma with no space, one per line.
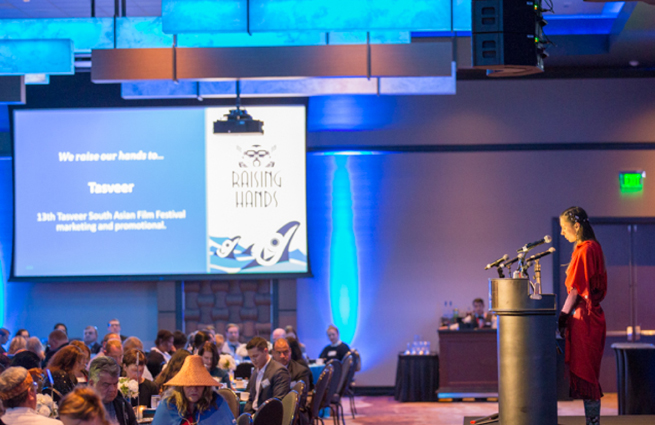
562,322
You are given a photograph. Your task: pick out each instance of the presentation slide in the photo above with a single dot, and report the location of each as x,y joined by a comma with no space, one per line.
153,191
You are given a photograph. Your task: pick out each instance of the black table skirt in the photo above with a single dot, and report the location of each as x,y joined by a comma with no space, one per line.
417,377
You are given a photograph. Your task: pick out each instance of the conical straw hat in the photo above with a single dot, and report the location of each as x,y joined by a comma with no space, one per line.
192,374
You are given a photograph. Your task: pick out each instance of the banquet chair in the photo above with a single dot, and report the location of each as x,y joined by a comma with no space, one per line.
357,364
347,374
332,386
244,419
232,400
302,399
243,370
269,413
320,389
289,407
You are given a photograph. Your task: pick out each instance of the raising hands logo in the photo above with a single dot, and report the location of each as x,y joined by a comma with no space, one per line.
256,156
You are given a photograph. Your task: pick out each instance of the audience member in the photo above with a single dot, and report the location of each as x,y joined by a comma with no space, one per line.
109,337
291,333
179,340
4,337
56,340
17,344
26,359
336,349
172,368
115,350
83,375
134,343
23,332
192,399
277,334
297,372
114,327
18,394
478,318
232,346
269,379
61,327
82,406
210,359
199,339
91,339
64,367
103,377
159,354
134,363
219,340
34,345
296,352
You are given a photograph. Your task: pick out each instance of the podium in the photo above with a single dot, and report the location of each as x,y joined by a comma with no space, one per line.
527,354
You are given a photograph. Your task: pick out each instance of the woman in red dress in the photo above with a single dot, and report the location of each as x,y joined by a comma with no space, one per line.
582,320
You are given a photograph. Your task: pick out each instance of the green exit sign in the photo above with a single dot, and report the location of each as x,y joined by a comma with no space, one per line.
632,181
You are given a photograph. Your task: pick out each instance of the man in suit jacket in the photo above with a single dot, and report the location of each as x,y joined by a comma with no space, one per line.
297,372
269,378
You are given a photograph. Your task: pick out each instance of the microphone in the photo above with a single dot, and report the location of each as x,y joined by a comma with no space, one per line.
541,254
529,246
497,262
513,260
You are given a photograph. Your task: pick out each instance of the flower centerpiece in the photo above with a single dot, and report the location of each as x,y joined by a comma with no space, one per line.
46,406
227,362
128,387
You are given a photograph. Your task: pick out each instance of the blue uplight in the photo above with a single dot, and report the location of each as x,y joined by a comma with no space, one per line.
344,269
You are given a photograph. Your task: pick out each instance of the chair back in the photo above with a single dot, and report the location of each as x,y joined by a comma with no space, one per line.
232,400
319,390
334,382
357,360
269,413
289,407
244,419
243,370
346,366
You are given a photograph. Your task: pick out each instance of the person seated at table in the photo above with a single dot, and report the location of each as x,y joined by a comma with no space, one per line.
171,369
159,354
18,344
269,378
336,349
56,340
18,394
478,318
103,378
210,359
297,371
83,374
134,364
233,346
179,340
64,367
291,333
296,351
191,399
82,406
34,345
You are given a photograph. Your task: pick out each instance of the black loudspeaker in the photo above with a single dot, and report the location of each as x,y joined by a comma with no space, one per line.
506,37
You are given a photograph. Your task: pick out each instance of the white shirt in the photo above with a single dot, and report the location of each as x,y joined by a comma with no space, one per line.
258,382
167,357
27,416
235,349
